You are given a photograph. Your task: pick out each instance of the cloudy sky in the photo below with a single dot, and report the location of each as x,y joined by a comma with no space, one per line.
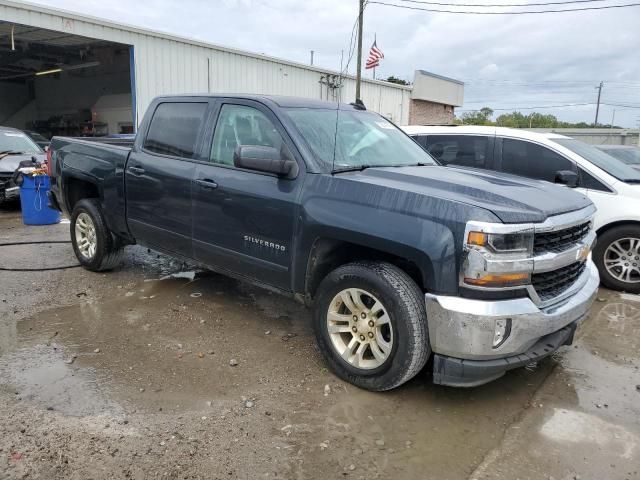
506,61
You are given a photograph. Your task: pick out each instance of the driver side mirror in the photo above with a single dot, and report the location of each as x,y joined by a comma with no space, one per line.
567,177
265,159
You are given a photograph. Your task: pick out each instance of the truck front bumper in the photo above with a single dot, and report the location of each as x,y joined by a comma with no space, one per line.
463,336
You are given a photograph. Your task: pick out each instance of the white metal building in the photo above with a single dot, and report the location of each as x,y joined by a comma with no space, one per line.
57,67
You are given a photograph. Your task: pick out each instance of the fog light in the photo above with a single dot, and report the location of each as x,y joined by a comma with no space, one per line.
501,332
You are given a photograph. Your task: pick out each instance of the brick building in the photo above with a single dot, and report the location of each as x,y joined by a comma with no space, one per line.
433,99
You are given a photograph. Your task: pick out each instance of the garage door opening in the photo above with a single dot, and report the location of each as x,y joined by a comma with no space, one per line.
55,83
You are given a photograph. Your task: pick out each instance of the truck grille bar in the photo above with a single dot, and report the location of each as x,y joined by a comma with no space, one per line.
549,285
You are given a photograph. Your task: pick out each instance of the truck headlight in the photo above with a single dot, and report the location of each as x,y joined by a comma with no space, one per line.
521,242
498,260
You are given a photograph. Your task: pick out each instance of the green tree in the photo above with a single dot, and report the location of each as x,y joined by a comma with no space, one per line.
478,117
397,80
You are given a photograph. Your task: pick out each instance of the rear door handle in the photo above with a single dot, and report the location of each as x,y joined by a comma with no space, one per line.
207,183
136,170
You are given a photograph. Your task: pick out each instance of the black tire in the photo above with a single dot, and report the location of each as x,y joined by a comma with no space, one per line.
108,253
405,306
604,241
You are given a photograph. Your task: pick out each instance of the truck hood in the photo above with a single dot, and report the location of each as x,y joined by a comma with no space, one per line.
9,163
511,198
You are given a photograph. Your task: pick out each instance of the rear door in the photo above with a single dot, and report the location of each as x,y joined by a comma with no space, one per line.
159,175
243,220
461,150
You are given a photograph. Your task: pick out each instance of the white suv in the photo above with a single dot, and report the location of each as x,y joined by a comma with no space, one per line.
613,186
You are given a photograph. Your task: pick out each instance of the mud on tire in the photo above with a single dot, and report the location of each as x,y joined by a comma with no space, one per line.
107,252
404,304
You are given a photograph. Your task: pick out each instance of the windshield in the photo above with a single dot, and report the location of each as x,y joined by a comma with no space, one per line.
17,142
37,137
606,162
345,139
630,156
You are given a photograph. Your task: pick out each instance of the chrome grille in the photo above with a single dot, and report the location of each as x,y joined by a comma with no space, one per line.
549,285
559,240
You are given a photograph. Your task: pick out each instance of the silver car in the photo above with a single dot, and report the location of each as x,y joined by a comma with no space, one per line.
15,147
627,153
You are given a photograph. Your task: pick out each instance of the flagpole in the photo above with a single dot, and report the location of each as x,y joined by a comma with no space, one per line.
375,42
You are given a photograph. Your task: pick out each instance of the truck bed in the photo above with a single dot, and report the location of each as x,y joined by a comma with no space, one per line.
100,163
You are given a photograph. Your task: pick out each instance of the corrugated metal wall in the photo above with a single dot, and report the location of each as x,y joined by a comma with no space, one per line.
170,65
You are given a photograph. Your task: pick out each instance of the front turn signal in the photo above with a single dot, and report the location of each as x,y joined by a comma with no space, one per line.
500,280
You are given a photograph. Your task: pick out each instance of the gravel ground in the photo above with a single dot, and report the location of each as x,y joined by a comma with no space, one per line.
159,371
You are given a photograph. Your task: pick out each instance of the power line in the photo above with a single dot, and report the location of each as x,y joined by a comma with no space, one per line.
532,108
423,2
551,106
352,44
462,12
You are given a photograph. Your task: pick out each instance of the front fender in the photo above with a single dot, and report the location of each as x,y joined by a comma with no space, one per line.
425,230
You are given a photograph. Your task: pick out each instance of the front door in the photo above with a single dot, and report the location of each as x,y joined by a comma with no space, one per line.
159,174
243,221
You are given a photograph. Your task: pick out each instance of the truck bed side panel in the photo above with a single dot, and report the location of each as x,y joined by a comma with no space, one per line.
99,164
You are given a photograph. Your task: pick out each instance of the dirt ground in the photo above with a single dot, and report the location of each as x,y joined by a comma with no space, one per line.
129,375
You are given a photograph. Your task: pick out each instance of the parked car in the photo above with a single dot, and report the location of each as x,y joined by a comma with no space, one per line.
39,139
628,154
15,147
331,204
613,186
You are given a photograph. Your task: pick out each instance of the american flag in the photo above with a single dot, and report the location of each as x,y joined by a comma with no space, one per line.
375,54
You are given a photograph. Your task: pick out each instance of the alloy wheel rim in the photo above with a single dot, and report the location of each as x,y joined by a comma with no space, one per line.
86,238
622,260
360,328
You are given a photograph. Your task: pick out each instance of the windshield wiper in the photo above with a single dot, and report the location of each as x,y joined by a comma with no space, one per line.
355,168
6,153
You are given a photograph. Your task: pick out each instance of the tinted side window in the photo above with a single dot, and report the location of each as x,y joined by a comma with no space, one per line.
421,139
241,125
592,183
530,160
174,129
467,151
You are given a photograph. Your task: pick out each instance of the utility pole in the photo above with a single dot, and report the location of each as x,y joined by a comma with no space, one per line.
599,87
359,68
312,58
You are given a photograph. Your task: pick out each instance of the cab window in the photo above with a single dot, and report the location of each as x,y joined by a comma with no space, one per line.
174,129
241,125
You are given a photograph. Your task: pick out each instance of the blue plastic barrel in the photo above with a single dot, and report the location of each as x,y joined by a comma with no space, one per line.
33,198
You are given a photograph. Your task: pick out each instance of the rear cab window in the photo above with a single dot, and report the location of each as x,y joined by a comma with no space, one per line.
463,150
174,129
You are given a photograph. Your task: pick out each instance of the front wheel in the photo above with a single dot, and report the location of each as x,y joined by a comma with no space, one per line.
371,325
94,245
617,256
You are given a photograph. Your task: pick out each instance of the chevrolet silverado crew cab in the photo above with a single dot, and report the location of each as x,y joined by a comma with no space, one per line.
401,259
611,184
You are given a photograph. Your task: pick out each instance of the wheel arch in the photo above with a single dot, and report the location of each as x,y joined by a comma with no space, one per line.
327,254
78,188
619,223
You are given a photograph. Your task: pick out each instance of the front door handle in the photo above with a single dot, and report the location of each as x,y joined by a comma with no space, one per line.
136,170
207,183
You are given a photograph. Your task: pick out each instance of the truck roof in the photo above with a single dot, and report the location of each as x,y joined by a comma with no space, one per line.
278,100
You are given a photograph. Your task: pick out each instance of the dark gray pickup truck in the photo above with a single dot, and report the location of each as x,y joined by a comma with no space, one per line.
401,259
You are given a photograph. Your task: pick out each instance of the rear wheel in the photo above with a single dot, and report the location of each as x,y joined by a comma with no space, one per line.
617,255
371,325
94,245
